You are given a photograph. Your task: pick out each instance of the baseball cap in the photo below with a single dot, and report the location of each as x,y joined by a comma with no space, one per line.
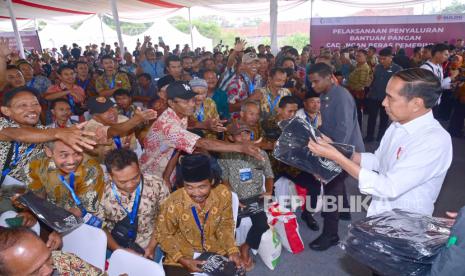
97,105
165,81
249,57
180,89
237,127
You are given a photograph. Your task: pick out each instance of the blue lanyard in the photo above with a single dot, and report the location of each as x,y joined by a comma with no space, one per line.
70,187
250,84
201,113
252,135
273,105
17,157
84,84
154,67
199,225
113,80
313,122
71,103
117,141
31,85
135,207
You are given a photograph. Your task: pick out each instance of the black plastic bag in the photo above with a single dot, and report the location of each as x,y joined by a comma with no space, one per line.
397,242
218,265
55,217
292,149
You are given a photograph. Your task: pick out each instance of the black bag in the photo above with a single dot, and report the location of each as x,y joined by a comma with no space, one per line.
53,216
253,205
125,234
217,265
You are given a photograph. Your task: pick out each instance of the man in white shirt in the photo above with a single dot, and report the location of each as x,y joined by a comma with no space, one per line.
440,54
409,167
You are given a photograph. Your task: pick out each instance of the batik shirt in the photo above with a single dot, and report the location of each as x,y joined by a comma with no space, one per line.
168,132
245,173
268,103
153,194
88,184
177,231
105,83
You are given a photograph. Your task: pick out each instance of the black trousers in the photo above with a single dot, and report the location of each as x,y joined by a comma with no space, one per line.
359,103
313,186
456,120
373,108
259,226
336,188
171,270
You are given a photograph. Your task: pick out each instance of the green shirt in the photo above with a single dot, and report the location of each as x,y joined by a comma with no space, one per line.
245,173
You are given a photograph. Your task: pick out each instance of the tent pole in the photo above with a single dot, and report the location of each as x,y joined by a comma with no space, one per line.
114,10
311,19
274,26
101,27
19,42
190,28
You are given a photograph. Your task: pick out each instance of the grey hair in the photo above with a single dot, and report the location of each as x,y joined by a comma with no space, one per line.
249,102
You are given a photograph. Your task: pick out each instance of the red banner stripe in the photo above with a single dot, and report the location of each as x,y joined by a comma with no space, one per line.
44,7
163,4
17,18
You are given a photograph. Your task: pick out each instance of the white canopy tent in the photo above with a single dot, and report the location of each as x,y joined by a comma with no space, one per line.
140,9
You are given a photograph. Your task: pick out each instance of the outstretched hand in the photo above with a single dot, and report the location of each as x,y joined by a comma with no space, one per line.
5,50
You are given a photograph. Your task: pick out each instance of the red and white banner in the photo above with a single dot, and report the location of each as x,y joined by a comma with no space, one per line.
30,40
382,31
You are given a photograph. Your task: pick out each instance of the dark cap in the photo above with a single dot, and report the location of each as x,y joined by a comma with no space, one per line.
195,168
180,89
168,79
98,105
237,127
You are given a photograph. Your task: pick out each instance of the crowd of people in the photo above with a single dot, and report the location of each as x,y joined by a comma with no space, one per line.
149,147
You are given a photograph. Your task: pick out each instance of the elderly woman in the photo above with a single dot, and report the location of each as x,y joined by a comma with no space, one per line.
205,108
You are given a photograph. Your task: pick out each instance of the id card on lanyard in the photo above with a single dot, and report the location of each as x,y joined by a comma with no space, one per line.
200,226
111,84
135,207
17,156
200,114
117,141
88,218
274,103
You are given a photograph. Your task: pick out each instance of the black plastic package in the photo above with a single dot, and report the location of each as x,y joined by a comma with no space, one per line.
218,265
397,242
292,149
55,217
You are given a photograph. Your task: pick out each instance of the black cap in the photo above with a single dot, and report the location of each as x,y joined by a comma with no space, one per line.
311,94
180,89
168,79
195,168
98,105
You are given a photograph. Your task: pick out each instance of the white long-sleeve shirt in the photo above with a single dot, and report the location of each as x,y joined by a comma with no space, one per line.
408,168
439,72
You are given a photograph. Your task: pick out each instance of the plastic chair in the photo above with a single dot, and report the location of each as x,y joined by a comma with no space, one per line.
88,243
246,223
12,214
122,261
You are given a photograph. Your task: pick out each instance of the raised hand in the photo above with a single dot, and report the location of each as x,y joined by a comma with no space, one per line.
5,50
239,47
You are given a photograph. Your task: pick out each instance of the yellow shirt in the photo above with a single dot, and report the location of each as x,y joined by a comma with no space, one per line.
360,78
177,231
210,112
44,178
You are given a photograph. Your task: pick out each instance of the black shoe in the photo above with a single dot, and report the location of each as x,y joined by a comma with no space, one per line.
345,216
323,242
310,221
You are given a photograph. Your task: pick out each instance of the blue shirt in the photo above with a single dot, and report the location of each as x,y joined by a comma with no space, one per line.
155,70
222,106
